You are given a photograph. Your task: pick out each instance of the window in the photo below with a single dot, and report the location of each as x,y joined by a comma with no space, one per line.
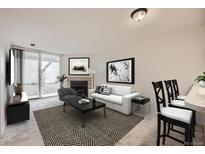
31,74
40,73
49,72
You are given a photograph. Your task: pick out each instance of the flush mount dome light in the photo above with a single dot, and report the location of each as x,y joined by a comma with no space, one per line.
139,14
32,44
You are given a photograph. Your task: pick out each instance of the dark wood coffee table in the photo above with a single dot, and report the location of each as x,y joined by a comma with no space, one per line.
85,108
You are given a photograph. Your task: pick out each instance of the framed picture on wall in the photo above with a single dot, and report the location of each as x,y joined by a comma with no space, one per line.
121,71
78,65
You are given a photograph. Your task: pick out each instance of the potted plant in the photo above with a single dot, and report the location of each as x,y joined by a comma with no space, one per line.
61,79
201,80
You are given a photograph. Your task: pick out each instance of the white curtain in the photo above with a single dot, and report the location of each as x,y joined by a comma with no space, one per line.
18,66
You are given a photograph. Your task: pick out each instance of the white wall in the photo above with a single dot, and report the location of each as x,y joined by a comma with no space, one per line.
3,90
176,54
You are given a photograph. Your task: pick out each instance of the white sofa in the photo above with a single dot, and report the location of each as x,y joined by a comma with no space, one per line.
119,99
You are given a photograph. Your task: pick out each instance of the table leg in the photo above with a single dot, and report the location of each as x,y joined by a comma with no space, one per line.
83,120
203,117
64,107
105,112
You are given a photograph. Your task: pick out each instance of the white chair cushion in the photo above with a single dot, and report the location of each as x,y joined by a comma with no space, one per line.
177,114
110,98
120,90
181,97
179,103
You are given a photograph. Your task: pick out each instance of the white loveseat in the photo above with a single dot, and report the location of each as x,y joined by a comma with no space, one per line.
119,99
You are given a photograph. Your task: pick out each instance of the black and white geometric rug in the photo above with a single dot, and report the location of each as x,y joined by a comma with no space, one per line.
64,128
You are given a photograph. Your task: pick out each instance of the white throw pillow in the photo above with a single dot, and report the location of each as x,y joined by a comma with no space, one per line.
106,91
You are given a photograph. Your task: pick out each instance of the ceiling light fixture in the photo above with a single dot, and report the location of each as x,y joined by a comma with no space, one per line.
32,44
139,14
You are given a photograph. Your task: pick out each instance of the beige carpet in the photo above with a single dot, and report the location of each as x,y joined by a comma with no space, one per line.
144,134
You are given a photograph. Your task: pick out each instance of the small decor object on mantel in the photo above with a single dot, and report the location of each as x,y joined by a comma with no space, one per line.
201,80
121,71
61,79
18,89
79,65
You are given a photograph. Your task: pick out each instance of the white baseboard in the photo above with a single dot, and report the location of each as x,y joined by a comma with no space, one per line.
2,131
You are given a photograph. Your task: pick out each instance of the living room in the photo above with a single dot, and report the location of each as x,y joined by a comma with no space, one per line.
113,58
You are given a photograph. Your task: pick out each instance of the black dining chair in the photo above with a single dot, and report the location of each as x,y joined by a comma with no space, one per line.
171,116
172,102
176,90
171,95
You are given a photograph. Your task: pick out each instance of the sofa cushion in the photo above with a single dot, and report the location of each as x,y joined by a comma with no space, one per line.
120,90
110,98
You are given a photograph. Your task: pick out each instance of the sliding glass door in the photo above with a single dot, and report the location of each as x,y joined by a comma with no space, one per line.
48,73
40,73
31,74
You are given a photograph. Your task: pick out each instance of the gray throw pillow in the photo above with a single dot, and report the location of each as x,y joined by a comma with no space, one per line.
101,89
106,91
97,89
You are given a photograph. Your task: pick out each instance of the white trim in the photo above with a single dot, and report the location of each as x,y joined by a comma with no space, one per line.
35,50
2,123
2,131
1,127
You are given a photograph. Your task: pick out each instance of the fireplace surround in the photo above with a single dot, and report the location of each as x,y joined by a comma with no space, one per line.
87,78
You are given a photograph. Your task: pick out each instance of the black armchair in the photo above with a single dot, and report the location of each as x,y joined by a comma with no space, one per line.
66,94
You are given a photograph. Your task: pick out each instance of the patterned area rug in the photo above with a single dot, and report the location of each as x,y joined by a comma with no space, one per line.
64,128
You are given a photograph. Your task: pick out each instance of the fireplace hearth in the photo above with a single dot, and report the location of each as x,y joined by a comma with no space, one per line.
81,87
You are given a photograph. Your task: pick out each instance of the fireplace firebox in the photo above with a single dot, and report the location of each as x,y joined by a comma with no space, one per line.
81,87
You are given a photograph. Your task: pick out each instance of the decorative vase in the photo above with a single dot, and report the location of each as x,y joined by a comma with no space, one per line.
202,84
61,85
18,89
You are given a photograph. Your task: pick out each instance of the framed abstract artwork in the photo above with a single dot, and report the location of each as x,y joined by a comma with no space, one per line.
78,65
121,71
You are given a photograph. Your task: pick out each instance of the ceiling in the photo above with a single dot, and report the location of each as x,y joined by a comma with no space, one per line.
83,31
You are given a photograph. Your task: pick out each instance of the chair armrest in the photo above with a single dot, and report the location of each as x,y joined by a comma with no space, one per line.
60,95
91,91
